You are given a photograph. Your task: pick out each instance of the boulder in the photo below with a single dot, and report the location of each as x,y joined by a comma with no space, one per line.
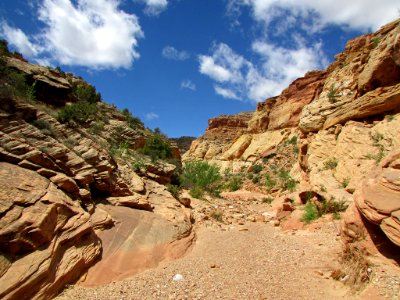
45,238
378,199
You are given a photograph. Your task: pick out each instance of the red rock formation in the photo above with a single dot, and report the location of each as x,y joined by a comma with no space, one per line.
378,198
284,111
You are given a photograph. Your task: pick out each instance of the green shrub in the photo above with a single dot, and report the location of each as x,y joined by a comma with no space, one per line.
173,189
134,122
330,206
345,182
331,163
4,47
119,149
157,148
287,182
270,183
310,213
200,176
257,168
79,112
333,94
268,200
15,84
256,179
315,210
44,126
96,128
217,215
196,192
234,183
138,165
375,42
86,92
293,140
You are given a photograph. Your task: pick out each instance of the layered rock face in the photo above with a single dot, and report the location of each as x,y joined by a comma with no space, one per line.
221,132
379,197
66,188
343,122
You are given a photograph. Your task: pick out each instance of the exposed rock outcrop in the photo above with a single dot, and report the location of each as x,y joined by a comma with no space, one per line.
340,123
45,237
65,188
378,198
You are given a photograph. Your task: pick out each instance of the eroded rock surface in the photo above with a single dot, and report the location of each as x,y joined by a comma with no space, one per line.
379,197
45,237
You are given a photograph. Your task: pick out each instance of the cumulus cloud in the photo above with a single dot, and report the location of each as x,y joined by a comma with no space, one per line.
154,7
170,52
18,38
244,80
316,14
152,116
89,33
188,84
93,33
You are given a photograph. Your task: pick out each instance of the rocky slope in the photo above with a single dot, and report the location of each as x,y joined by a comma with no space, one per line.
75,187
332,134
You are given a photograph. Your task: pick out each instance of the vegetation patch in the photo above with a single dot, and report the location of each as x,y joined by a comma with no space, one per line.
315,209
333,94
157,148
200,176
79,112
134,122
331,163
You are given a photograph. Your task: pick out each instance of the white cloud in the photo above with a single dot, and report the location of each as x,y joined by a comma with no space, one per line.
224,65
170,52
154,7
226,93
93,33
17,37
247,81
188,84
316,14
89,33
152,116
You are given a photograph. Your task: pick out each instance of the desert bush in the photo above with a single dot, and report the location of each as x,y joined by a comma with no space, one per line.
119,149
270,183
315,210
79,112
217,215
234,182
345,182
96,128
134,122
200,176
44,126
256,179
333,94
157,148
267,200
310,213
173,189
85,92
138,165
257,168
331,163
287,182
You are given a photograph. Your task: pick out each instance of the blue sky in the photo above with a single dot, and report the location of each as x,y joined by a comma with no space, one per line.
177,63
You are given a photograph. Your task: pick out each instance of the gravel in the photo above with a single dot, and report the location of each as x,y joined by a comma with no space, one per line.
254,261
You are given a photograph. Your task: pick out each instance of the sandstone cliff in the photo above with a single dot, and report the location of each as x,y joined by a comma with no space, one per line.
331,134
72,179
